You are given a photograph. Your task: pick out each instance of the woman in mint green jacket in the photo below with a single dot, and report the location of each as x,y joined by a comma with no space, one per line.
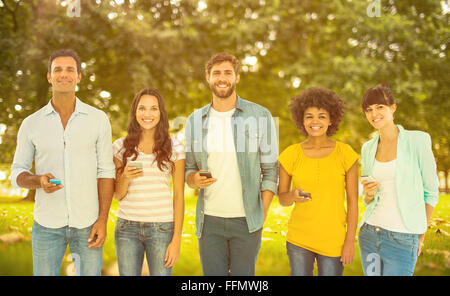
400,189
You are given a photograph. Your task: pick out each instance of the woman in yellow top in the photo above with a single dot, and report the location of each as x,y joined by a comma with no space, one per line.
319,227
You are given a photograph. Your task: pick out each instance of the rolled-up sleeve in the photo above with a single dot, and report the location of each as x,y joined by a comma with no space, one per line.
430,179
105,163
24,155
191,164
269,156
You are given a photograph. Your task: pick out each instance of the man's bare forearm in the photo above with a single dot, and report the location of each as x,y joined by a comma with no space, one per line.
266,197
29,181
105,195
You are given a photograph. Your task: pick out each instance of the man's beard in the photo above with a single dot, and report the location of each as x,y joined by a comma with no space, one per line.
220,93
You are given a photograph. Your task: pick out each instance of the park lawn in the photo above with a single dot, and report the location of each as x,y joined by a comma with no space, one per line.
16,258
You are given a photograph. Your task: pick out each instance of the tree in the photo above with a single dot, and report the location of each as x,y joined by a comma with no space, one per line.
284,47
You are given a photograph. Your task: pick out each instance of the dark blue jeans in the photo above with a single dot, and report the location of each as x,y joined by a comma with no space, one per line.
227,247
302,260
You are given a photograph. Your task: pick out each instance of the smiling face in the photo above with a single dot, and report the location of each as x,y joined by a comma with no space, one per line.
222,80
64,76
379,115
147,112
316,121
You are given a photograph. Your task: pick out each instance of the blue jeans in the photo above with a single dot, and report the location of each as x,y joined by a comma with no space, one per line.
302,260
136,239
385,252
49,246
227,247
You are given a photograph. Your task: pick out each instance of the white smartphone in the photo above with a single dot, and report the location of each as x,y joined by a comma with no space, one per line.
136,164
369,179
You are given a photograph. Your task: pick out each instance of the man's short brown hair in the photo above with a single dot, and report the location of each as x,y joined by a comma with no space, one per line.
221,57
64,53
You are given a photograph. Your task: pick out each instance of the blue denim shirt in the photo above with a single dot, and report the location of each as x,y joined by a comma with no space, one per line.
256,144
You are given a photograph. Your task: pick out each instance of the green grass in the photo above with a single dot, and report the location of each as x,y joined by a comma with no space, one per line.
16,259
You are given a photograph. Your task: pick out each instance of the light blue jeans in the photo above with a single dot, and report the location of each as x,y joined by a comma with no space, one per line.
49,246
302,260
227,247
136,239
385,252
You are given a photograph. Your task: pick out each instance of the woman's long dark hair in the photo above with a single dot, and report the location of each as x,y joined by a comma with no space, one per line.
163,143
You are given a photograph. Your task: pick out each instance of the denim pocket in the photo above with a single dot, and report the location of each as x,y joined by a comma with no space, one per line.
121,224
404,240
165,227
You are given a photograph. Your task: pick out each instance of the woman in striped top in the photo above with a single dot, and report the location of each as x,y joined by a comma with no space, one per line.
149,221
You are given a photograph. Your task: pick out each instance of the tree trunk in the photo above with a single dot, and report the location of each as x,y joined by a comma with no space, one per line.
30,196
31,193
446,181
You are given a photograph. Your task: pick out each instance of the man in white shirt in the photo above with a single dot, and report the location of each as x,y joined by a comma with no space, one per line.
234,202
69,141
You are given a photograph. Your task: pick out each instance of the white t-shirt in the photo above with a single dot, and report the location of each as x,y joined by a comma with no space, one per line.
387,213
224,197
149,197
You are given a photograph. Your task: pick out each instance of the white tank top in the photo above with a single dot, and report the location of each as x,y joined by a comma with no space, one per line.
387,213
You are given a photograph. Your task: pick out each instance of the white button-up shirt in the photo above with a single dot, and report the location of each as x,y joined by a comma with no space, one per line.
77,155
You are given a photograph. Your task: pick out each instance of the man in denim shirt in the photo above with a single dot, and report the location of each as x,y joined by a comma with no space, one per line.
70,141
235,141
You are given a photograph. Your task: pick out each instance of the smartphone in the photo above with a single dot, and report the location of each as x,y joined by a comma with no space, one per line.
55,181
206,174
305,194
136,164
369,179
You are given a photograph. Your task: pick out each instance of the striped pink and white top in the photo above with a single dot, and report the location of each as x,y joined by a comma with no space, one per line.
149,197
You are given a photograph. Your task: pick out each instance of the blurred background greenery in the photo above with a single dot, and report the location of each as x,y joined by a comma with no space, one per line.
284,47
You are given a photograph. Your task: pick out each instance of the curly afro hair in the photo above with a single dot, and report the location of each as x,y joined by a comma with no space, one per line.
321,98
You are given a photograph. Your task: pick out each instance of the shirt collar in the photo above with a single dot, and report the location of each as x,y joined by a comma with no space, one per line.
239,106
80,107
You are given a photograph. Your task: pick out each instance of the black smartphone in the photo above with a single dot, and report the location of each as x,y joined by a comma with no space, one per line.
305,194
206,174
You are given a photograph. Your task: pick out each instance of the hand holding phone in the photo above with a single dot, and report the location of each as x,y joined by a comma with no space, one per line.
133,170
301,196
203,179
370,185
49,183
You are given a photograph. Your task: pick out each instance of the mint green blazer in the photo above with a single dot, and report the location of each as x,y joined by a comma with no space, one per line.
416,177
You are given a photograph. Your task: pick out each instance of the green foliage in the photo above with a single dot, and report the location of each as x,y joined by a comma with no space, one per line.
165,44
